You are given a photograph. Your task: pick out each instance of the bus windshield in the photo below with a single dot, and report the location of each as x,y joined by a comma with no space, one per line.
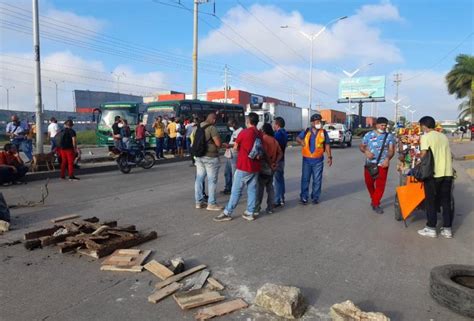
163,110
108,117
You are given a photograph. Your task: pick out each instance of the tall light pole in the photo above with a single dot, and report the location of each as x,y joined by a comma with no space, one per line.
350,75
7,89
412,112
311,37
38,98
396,101
56,84
195,46
117,77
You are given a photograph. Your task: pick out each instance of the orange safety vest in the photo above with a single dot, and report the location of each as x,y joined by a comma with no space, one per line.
320,142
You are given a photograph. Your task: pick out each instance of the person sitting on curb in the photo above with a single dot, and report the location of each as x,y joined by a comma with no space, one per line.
12,169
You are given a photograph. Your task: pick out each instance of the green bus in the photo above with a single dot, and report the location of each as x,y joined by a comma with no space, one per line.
105,116
190,109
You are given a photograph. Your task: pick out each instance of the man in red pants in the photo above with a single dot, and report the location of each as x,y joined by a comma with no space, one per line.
378,147
68,149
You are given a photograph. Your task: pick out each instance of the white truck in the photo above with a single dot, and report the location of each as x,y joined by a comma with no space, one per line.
339,134
296,118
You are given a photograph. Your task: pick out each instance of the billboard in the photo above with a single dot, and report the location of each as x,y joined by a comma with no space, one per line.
362,89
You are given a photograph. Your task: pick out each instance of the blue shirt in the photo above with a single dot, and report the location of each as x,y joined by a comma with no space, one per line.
312,145
373,141
21,130
282,138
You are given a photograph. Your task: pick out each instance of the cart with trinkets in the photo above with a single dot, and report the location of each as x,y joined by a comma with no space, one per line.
410,193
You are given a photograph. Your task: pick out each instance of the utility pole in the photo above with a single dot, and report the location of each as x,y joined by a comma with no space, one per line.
38,99
195,46
397,80
226,85
56,85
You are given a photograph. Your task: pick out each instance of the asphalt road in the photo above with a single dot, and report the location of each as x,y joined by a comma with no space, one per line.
334,251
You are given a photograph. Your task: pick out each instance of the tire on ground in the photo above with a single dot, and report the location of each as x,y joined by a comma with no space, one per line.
446,292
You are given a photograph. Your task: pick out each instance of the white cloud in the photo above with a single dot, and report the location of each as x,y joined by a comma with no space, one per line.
70,72
354,38
55,17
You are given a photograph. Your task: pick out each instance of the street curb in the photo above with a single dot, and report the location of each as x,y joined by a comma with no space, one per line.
465,157
110,166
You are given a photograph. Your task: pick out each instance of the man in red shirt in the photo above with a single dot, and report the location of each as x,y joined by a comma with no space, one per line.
12,169
246,173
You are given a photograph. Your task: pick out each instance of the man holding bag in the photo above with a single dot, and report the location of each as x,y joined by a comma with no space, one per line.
379,147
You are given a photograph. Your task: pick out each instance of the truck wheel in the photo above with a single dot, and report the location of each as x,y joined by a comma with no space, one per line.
452,285
398,212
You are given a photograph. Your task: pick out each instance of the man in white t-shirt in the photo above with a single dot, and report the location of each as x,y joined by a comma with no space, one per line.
230,155
53,129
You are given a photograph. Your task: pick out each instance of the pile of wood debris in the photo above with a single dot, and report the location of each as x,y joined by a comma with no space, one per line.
87,236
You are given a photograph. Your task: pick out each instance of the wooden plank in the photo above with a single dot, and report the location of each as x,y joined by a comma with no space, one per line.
32,244
220,309
64,218
50,240
114,244
120,259
214,284
164,292
180,276
129,251
115,268
200,280
69,246
197,298
158,269
39,233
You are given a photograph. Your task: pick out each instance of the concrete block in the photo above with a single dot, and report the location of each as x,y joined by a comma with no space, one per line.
284,301
348,311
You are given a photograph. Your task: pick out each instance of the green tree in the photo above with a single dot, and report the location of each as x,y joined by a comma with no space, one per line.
460,83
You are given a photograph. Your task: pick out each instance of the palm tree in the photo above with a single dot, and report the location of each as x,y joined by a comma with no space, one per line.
460,83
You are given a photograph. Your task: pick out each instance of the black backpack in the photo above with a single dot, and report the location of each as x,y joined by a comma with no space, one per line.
199,147
182,129
425,169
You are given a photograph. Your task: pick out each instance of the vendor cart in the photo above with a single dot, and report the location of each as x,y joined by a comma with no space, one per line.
411,197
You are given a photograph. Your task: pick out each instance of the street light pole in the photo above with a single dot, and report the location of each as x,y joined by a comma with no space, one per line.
56,85
350,75
311,38
38,98
406,112
7,89
412,112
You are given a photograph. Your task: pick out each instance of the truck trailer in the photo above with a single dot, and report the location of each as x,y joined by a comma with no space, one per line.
296,118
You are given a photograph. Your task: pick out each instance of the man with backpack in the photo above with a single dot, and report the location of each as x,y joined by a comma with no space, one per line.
206,144
438,188
314,142
250,152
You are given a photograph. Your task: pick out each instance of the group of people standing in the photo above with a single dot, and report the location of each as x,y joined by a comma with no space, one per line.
173,135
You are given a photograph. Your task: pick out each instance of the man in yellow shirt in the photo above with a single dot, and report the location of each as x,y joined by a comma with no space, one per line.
172,133
438,188
160,136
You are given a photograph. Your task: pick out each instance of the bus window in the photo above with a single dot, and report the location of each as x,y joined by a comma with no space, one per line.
196,110
185,111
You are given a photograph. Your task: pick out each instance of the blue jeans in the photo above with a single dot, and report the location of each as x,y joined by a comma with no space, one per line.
230,166
188,145
314,170
241,179
279,182
159,147
27,148
206,166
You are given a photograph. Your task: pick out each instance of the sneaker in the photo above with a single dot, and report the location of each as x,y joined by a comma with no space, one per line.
277,205
303,202
446,232
377,209
428,231
201,205
63,177
255,213
223,217
74,178
225,192
269,211
315,202
214,207
248,217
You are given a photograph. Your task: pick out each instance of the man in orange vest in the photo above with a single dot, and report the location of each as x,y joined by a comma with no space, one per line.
314,142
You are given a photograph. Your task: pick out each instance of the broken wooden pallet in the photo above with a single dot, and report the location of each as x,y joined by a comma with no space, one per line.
213,284
64,218
220,309
125,262
197,298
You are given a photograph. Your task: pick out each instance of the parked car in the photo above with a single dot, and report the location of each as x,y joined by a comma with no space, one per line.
339,134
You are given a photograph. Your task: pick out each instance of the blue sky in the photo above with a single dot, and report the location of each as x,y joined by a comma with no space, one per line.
149,44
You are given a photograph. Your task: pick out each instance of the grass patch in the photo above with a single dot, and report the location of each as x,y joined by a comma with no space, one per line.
86,137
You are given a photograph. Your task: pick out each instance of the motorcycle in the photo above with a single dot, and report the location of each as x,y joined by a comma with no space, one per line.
133,157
